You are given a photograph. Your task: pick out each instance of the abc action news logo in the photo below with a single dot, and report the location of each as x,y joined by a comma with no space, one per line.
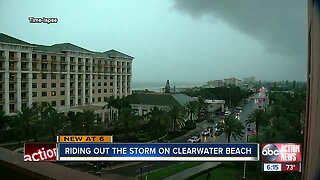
285,152
40,152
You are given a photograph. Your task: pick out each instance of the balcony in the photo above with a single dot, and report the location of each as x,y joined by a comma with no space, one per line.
24,79
63,62
12,79
12,58
12,68
54,70
35,69
12,99
44,69
63,70
24,89
72,62
35,60
24,99
12,89
24,59
2,58
80,62
44,60
24,69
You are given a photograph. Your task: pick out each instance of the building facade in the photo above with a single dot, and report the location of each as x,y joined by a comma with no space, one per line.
64,75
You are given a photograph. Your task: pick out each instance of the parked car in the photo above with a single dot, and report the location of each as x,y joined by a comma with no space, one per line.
205,133
194,139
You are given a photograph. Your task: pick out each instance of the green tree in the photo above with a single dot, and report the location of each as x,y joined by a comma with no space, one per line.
259,118
3,124
176,116
191,109
54,123
158,120
24,122
89,120
233,128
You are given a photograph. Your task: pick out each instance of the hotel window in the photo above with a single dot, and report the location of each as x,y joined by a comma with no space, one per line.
105,76
62,84
99,90
92,90
63,59
53,85
111,83
44,76
53,103
43,57
34,85
92,99
44,94
34,94
62,93
105,84
34,56
53,93
93,84
105,90
34,76
62,102
53,76
53,58
99,76
99,83
99,99
44,85
62,76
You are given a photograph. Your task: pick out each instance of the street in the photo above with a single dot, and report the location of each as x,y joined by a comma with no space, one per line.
134,170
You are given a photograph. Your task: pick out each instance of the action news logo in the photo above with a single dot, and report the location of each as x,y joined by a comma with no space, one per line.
285,152
40,152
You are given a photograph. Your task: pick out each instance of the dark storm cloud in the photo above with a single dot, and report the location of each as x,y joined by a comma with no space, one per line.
279,24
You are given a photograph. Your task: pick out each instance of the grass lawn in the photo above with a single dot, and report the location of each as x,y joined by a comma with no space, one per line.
171,170
228,173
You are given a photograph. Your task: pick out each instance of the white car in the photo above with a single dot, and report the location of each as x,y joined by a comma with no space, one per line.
194,139
227,113
205,133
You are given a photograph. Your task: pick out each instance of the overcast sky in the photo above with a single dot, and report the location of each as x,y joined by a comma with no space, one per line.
180,40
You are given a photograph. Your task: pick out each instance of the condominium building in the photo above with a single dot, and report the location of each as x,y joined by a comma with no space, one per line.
64,75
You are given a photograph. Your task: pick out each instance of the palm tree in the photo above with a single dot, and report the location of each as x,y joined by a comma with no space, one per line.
259,118
89,119
158,119
3,123
74,121
201,109
191,108
233,127
54,123
176,115
24,123
129,120
111,104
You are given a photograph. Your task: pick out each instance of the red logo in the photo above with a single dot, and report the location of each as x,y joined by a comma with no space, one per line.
40,152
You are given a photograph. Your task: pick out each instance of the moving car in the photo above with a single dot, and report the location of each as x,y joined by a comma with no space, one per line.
239,109
227,113
206,133
194,139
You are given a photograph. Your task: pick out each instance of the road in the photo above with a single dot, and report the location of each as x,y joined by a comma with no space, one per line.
134,170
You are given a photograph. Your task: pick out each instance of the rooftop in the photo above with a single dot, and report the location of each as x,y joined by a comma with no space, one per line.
160,99
62,47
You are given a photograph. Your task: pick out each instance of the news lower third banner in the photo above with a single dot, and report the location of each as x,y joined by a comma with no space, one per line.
157,152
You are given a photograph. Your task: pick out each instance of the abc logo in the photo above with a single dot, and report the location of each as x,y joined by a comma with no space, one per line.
270,152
